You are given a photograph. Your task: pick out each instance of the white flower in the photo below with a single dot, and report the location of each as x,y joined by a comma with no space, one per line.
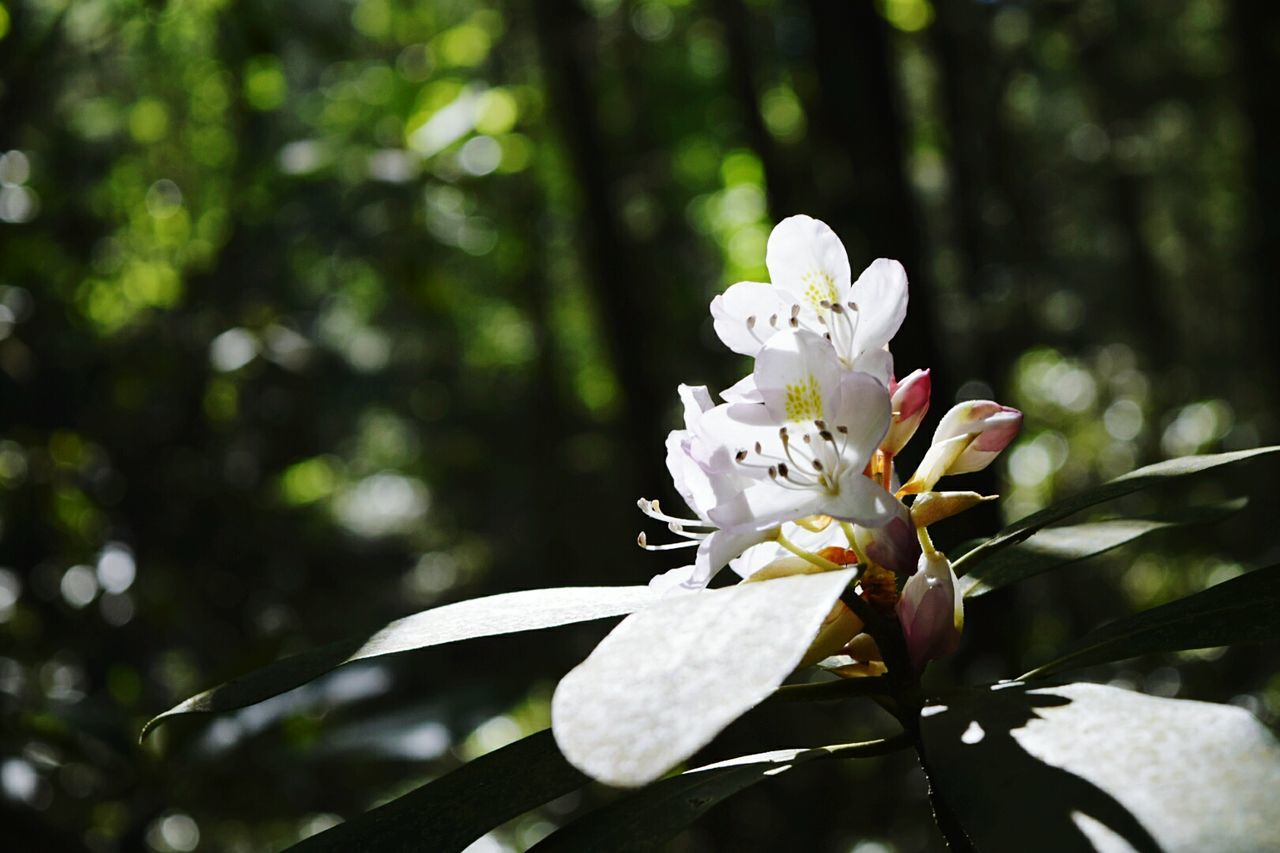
812,290
808,441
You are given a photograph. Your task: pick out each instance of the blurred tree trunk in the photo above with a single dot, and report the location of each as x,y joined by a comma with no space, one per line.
566,40
736,19
1257,32
857,126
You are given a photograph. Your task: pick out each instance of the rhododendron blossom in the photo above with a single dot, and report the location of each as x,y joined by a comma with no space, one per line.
791,480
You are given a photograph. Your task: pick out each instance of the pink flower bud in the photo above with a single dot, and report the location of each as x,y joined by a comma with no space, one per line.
931,610
991,425
894,546
969,436
910,399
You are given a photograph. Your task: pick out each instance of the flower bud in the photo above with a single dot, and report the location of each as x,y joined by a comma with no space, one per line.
932,507
910,400
931,611
893,546
969,436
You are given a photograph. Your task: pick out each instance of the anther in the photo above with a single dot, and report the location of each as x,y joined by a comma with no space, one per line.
751,322
759,448
837,308
782,468
773,320
773,471
817,466
827,436
740,456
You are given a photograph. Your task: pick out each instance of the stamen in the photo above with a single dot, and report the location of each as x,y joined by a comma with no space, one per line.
643,542
654,511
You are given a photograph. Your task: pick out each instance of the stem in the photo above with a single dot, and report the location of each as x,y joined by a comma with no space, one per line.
853,542
820,562
948,824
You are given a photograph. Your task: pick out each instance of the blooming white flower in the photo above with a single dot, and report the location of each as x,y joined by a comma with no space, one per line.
705,474
807,443
812,289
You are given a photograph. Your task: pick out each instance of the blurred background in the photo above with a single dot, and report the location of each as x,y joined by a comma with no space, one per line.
317,313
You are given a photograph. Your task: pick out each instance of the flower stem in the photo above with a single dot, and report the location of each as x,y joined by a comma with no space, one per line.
820,562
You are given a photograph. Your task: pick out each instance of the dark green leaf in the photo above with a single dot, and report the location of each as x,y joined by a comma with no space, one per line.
1055,547
1241,610
449,813
1134,481
508,613
1084,767
646,819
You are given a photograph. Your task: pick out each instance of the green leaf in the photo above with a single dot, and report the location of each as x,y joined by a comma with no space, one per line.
653,815
1134,481
1084,767
669,678
1056,547
451,812
1241,610
479,617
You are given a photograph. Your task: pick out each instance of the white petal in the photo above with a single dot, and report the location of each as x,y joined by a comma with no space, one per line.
862,501
747,314
865,410
755,558
766,502
674,581
808,261
672,676
715,552
742,391
798,376
881,296
691,481
877,363
697,401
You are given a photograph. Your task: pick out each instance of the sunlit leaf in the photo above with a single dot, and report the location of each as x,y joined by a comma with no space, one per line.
449,813
670,677
1056,547
1241,610
1134,481
508,613
1087,767
651,816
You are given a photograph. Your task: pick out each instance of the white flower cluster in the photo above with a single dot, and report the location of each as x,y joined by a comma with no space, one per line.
799,456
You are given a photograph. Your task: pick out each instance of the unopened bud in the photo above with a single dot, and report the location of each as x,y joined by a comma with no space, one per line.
910,400
894,546
931,611
932,507
968,438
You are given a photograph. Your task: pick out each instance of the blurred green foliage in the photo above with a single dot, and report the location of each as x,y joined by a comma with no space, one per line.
318,312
